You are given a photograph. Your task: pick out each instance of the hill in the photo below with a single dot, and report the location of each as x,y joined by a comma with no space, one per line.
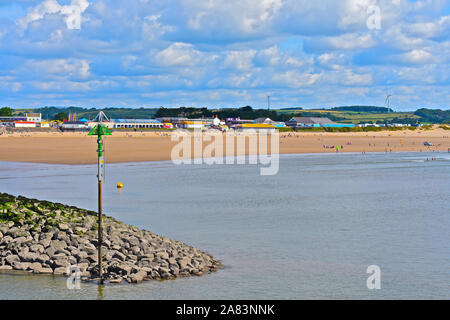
113,113
363,109
344,114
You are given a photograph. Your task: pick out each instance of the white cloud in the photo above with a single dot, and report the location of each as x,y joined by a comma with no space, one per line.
271,56
296,79
153,28
351,78
248,16
72,12
354,13
431,29
61,68
178,54
395,37
350,41
332,60
240,60
419,56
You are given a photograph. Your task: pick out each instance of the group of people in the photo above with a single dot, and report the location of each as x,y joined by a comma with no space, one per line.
333,147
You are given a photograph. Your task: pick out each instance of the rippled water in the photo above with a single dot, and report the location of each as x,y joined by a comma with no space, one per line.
309,232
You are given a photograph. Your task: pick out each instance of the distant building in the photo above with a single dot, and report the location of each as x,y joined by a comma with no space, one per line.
33,117
137,123
277,124
234,121
308,122
263,120
175,121
24,124
43,124
74,126
254,126
12,119
315,122
216,122
92,124
31,120
193,124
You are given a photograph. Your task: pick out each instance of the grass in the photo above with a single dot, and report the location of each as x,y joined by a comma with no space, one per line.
285,129
354,117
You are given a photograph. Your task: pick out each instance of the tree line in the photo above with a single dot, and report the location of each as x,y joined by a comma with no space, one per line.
244,113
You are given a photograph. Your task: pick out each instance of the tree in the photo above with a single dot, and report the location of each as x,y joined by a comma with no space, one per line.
61,116
6,112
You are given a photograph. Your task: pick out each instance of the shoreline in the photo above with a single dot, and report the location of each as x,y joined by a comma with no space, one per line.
124,147
169,161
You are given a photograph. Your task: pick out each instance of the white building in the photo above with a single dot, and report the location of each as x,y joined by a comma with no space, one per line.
24,124
216,122
33,117
109,125
137,123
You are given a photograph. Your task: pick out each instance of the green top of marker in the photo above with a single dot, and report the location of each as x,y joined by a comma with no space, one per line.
99,130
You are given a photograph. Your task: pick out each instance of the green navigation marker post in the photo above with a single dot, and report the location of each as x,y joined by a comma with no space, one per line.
100,130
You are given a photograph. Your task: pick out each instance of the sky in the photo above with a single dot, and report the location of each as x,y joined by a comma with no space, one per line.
225,53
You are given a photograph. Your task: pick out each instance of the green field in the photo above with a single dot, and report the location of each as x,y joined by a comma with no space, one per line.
352,116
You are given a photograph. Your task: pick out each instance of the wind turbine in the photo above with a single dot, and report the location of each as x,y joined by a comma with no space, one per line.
388,102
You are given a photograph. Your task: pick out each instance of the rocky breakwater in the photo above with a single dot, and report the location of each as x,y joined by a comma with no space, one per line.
49,238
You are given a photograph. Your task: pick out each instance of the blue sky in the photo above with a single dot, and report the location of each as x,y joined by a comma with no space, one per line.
224,53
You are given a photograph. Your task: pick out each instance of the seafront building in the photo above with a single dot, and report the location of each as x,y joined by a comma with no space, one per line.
235,121
277,124
31,120
84,124
137,123
192,124
315,122
34,120
254,126
74,126
173,121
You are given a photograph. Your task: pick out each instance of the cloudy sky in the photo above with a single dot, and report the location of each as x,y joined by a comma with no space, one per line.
321,53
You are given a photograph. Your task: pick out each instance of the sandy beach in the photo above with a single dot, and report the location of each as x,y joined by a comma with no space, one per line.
78,148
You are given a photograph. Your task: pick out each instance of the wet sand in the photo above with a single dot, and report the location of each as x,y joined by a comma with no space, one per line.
78,148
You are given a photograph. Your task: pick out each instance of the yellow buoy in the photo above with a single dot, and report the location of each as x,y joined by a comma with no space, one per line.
120,185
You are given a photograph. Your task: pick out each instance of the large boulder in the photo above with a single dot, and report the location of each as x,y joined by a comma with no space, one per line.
38,248
12,258
138,277
35,267
43,259
28,256
60,271
162,255
23,266
6,240
119,255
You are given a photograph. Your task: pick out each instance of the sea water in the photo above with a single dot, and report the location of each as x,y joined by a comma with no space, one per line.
309,232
